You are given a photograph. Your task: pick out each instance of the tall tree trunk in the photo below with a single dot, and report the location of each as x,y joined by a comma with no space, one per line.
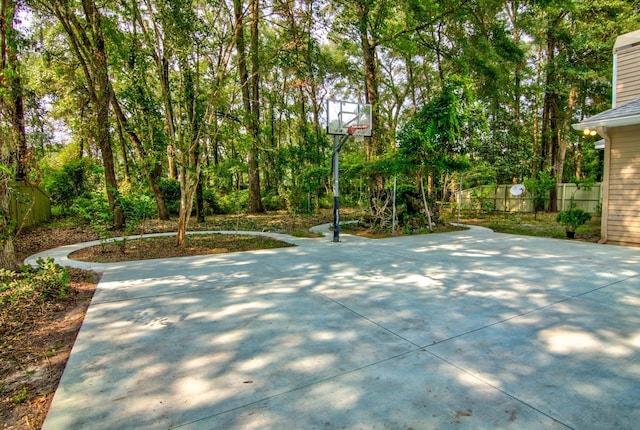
87,43
189,144
250,87
562,141
150,166
537,145
369,57
101,99
8,59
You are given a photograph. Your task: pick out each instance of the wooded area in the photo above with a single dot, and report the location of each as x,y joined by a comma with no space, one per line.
123,109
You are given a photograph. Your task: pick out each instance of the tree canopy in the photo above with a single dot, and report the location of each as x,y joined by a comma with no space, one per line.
222,101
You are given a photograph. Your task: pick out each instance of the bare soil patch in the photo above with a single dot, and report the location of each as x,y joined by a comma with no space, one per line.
34,348
165,247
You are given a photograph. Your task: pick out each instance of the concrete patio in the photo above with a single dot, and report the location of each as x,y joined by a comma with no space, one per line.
470,329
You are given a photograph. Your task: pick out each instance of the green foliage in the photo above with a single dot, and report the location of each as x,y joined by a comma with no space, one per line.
47,281
539,189
273,202
211,202
171,191
483,198
573,218
445,130
95,211
72,181
136,208
21,396
234,202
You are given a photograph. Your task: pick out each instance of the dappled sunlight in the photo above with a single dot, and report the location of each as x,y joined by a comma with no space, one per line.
311,363
205,362
478,380
476,253
337,396
346,335
567,340
238,308
342,335
228,338
634,341
194,389
590,390
418,281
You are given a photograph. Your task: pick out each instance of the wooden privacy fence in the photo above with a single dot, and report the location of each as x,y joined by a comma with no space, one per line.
22,196
499,198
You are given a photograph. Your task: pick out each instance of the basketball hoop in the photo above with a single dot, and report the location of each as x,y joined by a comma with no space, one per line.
359,131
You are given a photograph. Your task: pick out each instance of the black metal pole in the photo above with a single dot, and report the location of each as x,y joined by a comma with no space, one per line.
336,200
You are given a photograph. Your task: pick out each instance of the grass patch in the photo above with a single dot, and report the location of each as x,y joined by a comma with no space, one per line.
542,225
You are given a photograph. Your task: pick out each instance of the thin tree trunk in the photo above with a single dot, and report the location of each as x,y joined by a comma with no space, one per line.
152,172
426,205
88,45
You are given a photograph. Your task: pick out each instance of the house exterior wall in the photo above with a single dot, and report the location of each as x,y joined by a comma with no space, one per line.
627,80
621,203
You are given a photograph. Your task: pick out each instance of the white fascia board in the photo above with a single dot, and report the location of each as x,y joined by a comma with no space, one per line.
613,122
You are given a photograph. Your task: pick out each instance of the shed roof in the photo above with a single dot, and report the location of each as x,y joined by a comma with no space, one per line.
620,116
627,40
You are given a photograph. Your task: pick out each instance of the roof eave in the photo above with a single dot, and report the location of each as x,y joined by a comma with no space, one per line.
612,122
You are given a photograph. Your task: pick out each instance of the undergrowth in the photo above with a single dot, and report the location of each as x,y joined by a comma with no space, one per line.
29,289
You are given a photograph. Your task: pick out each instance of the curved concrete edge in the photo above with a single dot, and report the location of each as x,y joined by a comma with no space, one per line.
475,228
327,229
61,254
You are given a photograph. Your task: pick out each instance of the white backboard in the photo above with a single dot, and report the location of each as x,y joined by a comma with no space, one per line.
348,118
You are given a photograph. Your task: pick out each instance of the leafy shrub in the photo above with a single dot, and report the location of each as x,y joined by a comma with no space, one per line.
47,281
540,190
211,202
171,191
95,211
273,202
235,202
483,198
573,218
72,181
137,208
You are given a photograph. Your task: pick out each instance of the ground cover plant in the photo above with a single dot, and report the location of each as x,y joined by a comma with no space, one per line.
541,224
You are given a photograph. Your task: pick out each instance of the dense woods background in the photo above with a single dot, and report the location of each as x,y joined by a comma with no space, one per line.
125,109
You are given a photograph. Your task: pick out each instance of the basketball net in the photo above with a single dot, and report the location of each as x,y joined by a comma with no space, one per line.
358,132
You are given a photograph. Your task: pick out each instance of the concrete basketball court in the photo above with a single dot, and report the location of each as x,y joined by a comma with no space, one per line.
470,329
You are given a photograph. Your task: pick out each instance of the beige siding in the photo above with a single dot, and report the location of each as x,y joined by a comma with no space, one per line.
623,209
628,75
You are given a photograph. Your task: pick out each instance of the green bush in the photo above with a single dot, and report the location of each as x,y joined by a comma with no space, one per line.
573,218
138,207
235,202
211,202
273,202
95,211
171,191
74,180
47,281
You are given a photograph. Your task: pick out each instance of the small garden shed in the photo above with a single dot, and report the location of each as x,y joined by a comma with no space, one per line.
620,127
29,205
